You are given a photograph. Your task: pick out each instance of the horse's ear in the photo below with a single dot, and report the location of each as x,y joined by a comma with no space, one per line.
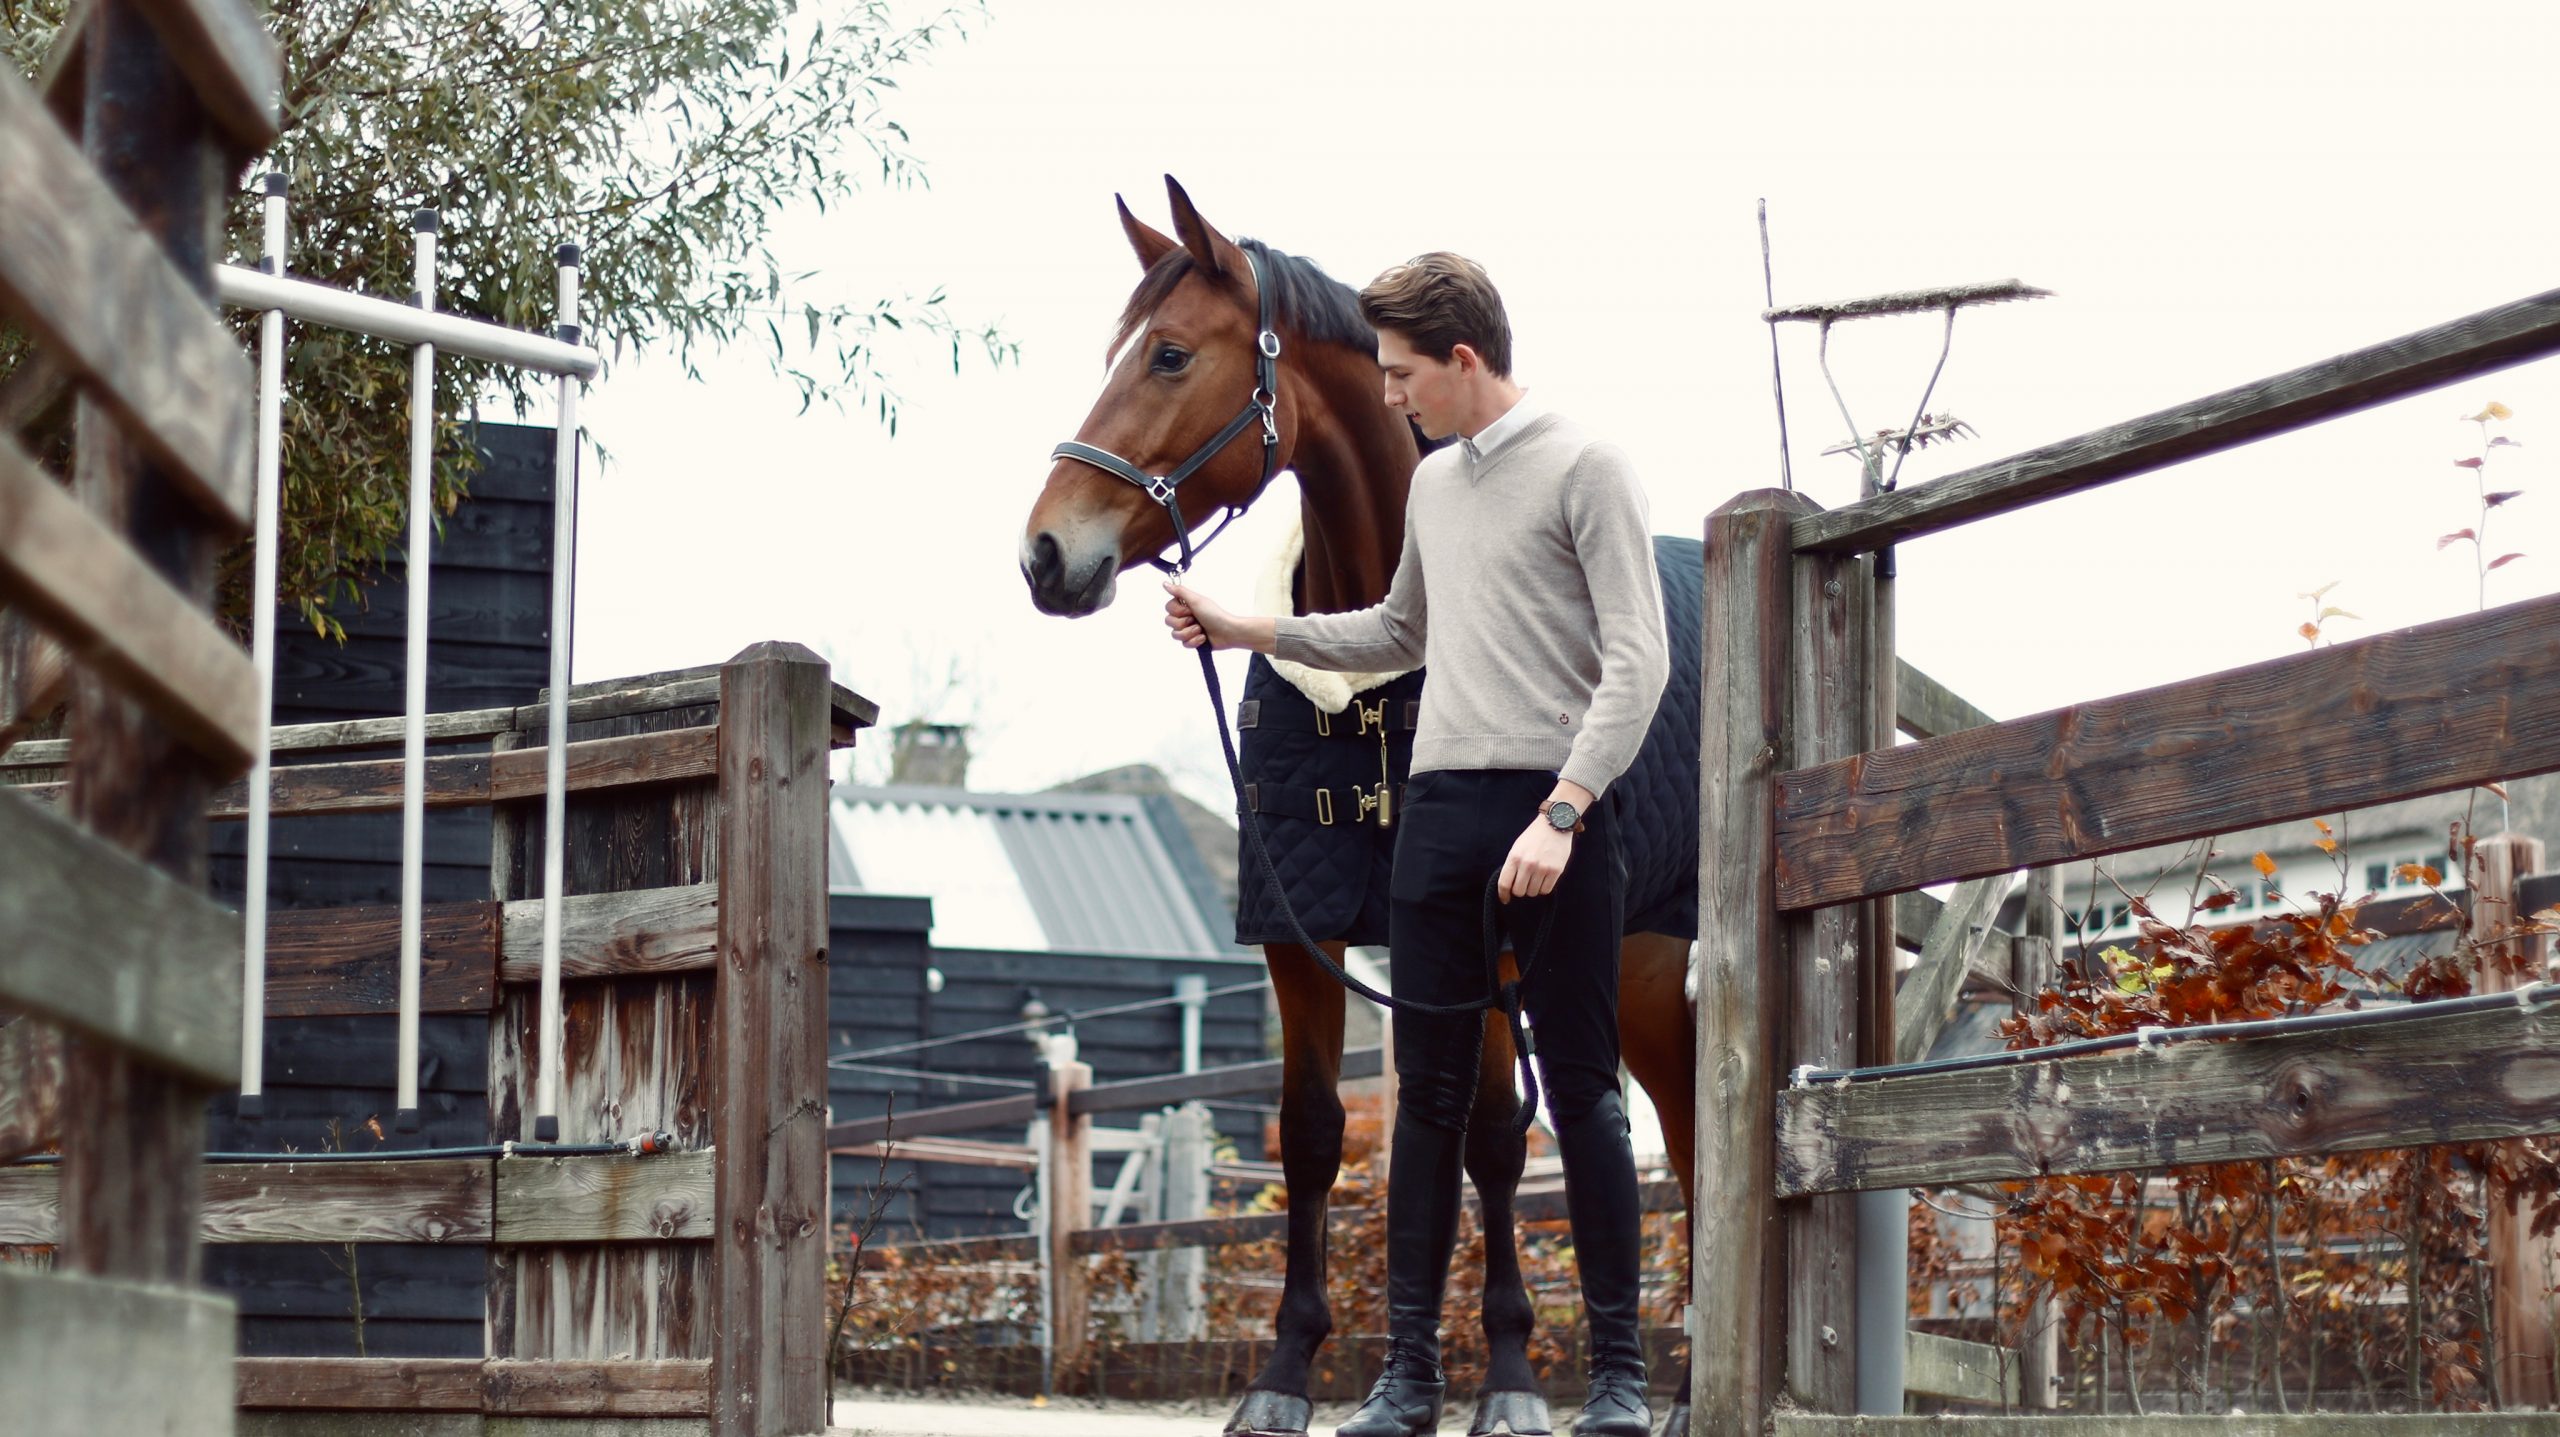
1207,246
1150,244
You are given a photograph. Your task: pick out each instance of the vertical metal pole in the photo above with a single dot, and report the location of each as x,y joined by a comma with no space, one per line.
1192,992
1884,1214
262,628
555,788
413,787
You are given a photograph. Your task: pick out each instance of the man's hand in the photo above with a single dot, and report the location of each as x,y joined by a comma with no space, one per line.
1537,860
1197,620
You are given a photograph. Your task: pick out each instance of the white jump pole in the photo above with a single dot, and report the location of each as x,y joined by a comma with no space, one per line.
555,788
413,786
262,629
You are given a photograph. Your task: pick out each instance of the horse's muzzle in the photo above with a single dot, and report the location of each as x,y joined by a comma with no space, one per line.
1056,589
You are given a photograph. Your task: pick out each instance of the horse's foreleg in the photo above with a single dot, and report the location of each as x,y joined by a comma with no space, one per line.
1310,1006
1657,1039
1510,1400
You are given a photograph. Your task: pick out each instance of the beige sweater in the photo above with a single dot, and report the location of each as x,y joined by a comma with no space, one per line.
1527,587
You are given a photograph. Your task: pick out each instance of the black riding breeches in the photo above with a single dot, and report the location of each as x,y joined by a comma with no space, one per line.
1456,829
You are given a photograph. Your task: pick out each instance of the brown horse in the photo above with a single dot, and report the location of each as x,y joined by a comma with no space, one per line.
1185,359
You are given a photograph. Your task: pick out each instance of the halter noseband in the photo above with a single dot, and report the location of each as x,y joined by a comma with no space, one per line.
1261,404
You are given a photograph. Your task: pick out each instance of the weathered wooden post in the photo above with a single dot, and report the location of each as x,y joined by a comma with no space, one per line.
1737,1302
2033,966
2520,1264
1825,954
1189,1137
768,1266
1070,1210
131,1185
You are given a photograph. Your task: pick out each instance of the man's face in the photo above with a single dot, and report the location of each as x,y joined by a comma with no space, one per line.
1419,387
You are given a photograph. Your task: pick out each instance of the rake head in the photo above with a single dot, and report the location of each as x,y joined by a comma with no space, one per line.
1910,301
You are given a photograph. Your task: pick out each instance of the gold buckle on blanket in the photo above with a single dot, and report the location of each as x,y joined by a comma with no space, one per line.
1381,803
1324,729
1373,715
1324,806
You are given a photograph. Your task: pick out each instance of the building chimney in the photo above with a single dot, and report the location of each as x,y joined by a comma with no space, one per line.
931,755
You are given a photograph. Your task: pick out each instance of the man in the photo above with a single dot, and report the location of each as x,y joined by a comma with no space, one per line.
1527,587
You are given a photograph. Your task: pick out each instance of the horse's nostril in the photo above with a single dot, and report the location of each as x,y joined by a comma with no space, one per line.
1045,562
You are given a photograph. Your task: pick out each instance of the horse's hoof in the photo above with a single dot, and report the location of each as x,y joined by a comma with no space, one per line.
1511,1414
1271,1414
1676,1422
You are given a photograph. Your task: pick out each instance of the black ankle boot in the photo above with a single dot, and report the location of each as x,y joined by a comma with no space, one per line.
1422,1227
1608,1249
1405,1401
1616,1406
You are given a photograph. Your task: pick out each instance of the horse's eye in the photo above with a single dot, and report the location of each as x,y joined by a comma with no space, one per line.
1170,360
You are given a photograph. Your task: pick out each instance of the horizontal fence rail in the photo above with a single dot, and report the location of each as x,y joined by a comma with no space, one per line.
107,302
523,1200
2490,1070
466,780
2412,364
667,1387
2398,715
172,999
97,598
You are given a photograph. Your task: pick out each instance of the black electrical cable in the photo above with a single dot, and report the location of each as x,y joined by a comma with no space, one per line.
2532,995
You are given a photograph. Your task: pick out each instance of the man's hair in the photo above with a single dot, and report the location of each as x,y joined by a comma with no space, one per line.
1439,301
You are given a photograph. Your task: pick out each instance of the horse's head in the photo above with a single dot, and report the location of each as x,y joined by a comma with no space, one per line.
1182,366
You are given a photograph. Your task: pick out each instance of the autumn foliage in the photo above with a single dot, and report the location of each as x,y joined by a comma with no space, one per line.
2358,1277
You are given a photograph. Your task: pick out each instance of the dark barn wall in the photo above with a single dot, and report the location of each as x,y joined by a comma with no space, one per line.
878,955
489,641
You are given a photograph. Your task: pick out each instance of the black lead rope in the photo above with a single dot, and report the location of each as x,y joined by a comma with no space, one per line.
1262,405
1500,993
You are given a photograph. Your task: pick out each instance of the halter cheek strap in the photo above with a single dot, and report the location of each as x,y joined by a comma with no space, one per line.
1261,405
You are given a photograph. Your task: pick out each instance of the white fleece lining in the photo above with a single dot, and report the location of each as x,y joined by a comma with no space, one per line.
1327,690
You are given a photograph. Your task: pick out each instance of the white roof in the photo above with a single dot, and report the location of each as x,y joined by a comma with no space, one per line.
1024,873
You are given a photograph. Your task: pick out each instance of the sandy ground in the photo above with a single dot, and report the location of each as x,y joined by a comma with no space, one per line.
875,1414
894,1414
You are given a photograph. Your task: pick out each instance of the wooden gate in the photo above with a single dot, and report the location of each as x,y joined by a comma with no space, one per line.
1813,820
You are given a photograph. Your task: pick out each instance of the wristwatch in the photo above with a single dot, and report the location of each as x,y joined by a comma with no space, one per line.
1563,817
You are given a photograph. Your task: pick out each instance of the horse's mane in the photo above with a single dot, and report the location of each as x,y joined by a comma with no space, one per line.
1315,304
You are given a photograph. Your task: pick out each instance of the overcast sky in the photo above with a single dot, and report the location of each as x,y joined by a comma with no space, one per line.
2214,191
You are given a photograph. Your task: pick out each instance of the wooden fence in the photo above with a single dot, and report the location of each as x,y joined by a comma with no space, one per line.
1815,821
1062,1147
105,933
683,1281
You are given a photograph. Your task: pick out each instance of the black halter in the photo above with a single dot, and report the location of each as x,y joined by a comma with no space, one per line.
1262,404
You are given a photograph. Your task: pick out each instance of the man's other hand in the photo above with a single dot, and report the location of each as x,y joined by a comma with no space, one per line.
1536,861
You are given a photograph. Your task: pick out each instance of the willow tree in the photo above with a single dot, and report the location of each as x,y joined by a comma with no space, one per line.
666,137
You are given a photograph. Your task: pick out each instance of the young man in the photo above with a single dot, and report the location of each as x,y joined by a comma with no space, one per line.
1527,587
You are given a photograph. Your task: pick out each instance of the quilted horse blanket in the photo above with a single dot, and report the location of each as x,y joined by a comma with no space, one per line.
1322,784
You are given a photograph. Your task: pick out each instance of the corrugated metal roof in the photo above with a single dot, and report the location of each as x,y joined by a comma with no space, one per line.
1030,873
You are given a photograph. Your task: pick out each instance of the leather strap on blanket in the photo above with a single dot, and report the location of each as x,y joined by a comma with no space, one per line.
1348,805
1357,721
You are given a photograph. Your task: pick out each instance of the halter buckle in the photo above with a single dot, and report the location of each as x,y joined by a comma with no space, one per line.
1269,343
1160,491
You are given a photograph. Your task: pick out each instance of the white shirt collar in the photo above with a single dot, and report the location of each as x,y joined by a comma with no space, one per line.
1490,440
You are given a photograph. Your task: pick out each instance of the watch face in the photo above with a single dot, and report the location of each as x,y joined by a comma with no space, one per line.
1562,815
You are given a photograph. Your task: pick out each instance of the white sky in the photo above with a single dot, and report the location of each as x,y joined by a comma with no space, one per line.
2215,191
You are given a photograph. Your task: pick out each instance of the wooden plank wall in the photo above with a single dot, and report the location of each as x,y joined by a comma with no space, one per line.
489,650
636,1056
